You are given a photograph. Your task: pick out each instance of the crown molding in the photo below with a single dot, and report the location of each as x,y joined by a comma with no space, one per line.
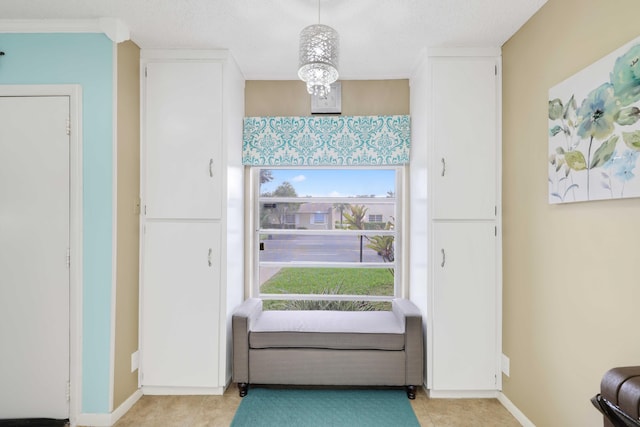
113,28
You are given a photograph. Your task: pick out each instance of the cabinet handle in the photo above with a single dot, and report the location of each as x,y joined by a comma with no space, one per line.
443,258
209,261
211,168
444,166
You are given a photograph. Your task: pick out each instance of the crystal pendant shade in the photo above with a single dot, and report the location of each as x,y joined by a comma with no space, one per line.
318,58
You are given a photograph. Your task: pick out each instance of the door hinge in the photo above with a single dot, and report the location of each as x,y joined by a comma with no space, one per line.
68,126
68,391
68,257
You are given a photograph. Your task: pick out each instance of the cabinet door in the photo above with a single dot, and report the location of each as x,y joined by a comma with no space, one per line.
183,132
181,304
464,307
464,135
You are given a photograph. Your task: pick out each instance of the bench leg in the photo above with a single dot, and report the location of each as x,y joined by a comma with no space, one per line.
411,392
244,389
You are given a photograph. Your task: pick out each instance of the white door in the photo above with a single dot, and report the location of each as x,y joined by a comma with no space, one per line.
34,277
181,304
464,108
183,139
464,309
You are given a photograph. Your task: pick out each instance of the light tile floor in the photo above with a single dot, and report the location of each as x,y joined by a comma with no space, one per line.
218,411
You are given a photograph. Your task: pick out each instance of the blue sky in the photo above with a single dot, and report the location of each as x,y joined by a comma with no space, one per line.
334,182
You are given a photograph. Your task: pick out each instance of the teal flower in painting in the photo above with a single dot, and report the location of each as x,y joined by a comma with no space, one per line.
622,166
596,114
624,172
625,76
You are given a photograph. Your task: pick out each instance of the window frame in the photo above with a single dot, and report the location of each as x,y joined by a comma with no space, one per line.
399,263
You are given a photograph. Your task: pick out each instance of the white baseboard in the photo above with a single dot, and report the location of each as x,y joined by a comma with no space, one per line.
513,409
182,391
125,406
94,420
463,394
107,420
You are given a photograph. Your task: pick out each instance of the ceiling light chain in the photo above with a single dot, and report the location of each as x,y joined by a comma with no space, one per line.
318,57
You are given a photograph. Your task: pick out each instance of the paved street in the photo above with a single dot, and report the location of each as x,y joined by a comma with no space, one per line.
317,248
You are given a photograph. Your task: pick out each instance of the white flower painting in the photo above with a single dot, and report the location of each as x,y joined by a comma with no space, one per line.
594,130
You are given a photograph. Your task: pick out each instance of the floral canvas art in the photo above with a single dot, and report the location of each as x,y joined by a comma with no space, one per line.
594,130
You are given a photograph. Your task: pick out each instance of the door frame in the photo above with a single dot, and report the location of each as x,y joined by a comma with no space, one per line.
74,92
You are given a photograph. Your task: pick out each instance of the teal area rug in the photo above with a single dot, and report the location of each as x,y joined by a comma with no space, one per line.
324,408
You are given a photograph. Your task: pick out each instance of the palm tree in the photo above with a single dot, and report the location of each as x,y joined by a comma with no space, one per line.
355,220
266,175
383,245
341,207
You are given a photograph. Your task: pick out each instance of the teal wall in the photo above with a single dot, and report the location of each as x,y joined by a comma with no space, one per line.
87,60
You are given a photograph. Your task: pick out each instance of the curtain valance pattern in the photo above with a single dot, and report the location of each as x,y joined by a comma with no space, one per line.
326,141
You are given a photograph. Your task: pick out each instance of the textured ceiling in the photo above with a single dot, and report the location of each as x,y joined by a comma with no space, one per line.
378,38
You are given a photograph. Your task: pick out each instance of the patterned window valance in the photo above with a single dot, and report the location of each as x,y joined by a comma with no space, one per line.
326,141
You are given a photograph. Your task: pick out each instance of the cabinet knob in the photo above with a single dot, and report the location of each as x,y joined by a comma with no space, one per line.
443,258
211,168
444,166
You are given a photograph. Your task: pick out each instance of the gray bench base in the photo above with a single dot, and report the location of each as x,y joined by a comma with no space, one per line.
334,348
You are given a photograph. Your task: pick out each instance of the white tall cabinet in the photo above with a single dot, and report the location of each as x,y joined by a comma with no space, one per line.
192,210
463,227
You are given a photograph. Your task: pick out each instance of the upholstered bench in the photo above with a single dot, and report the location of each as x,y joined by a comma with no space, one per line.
361,348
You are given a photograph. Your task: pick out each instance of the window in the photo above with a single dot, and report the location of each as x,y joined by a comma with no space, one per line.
375,218
318,218
333,250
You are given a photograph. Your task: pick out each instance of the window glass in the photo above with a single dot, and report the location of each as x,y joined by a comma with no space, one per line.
326,235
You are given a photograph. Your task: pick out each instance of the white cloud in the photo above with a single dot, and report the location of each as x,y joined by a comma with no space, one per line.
298,178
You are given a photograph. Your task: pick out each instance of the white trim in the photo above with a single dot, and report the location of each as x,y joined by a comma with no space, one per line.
181,391
125,406
113,28
74,92
499,285
49,26
513,409
142,215
464,51
114,222
463,394
76,239
94,420
153,55
107,420
400,263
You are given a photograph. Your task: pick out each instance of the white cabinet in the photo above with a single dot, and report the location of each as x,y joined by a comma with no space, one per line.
464,313
464,135
191,192
182,291
464,332
183,136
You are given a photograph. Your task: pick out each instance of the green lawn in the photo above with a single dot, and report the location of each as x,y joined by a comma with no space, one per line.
349,281
341,281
